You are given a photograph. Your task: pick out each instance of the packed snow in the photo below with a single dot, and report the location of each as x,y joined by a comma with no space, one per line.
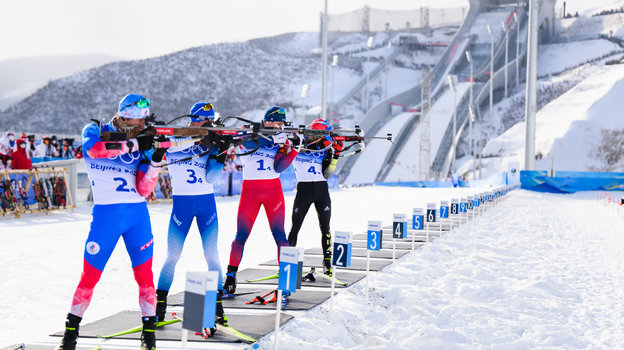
569,128
537,270
555,58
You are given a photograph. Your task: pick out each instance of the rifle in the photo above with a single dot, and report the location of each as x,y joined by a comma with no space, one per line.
251,131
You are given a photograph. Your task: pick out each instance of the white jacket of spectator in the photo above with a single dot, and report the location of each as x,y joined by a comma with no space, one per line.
5,145
44,150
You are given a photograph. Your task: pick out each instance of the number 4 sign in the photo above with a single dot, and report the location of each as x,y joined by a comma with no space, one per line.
341,255
399,226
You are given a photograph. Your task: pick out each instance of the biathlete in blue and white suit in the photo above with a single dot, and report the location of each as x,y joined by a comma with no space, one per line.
193,198
122,174
313,167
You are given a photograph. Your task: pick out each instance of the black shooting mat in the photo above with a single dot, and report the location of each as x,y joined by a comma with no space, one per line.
356,263
361,253
301,300
50,347
255,326
387,245
346,277
405,243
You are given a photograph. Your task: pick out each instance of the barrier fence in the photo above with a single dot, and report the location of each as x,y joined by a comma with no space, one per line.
36,190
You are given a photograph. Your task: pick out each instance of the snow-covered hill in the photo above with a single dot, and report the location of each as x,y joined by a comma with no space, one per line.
23,76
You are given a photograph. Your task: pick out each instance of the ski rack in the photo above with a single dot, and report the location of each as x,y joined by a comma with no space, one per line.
34,191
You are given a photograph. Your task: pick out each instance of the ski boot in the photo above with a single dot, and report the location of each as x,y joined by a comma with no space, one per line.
327,270
148,336
70,336
284,300
220,317
229,286
161,304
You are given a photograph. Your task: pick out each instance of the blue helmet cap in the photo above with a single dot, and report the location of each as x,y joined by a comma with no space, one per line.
275,114
202,109
134,106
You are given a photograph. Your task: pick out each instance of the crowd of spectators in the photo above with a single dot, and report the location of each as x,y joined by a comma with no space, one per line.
20,153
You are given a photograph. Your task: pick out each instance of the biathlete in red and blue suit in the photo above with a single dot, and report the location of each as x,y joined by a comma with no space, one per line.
122,174
261,187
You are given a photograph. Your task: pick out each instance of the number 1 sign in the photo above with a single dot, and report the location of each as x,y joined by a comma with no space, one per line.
288,269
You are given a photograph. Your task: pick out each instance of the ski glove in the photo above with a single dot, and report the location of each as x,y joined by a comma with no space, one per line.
280,138
145,142
296,141
338,146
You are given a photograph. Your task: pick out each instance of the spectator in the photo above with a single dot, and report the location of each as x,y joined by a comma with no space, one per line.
30,146
79,152
68,150
20,159
5,162
45,149
7,144
56,145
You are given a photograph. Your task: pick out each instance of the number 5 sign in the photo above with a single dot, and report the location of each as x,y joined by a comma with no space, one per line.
375,238
417,219
342,249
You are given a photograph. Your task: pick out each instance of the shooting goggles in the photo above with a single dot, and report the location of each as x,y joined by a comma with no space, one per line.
138,109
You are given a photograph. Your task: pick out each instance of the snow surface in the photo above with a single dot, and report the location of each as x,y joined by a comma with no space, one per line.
587,8
539,270
569,128
371,160
405,167
555,58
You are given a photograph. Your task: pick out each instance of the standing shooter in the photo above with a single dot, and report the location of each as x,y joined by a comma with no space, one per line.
313,167
261,187
193,197
122,174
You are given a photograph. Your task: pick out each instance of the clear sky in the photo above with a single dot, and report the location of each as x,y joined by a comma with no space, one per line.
136,29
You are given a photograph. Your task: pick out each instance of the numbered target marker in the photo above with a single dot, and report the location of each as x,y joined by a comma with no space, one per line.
375,238
463,205
341,255
200,300
431,212
417,218
444,210
399,226
289,269
454,206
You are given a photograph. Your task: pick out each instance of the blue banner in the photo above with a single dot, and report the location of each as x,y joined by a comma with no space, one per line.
571,181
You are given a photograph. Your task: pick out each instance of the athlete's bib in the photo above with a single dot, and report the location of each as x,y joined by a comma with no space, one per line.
188,177
309,166
259,165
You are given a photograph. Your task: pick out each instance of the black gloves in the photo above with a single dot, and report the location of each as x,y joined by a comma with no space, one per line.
211,139
158,155
145,142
